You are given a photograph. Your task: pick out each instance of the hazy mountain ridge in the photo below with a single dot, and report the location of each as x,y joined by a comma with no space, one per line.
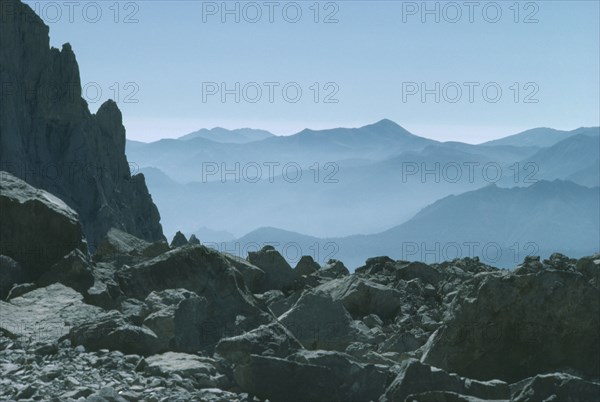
539,219
541,137
575,158
317,204
236,136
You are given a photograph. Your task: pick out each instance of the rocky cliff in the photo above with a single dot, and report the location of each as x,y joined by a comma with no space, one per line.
49,138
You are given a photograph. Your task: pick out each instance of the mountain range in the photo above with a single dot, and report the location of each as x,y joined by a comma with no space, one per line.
501,226
238,136
354,181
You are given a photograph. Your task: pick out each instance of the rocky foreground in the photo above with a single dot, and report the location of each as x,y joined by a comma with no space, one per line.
182,322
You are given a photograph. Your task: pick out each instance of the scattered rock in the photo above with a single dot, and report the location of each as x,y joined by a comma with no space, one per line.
20,290
513,326
111,331
307,266
224,308
159,312
280,380
415,377
179,240
555,386
38,229
267,340
122,248
333,269
278,273
46,314
362,297
11,273
201,370
253,276
73,270
320,322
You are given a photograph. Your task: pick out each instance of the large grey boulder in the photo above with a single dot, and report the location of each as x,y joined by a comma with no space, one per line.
415,377
311,376
105,292
179,240
281,380
111,331
159,312
307,266
354,380
589,267
424,272
200,370
11,273
254,277
320,322
513,326
45,314
196,329
38,229
267,340
333,269
223,306
278,273
74,270
123,248
51,140
362,297
555,387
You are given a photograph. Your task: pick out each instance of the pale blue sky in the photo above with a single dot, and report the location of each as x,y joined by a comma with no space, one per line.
370,54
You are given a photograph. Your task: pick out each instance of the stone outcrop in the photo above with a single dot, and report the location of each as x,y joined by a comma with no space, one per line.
307,266
269,340
555,386
38,229
11,273
45,314
74,270
415,378
111,331
52,141
226,307
179,240
551,316
278,273
123,248
320,322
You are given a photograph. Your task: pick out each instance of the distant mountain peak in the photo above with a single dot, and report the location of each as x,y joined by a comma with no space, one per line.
387,123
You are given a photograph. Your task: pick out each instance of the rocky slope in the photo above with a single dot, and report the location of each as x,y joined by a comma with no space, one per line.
145,321
49,138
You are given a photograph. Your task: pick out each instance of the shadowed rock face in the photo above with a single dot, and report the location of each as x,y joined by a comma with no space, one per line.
37,229
550,316
49,138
